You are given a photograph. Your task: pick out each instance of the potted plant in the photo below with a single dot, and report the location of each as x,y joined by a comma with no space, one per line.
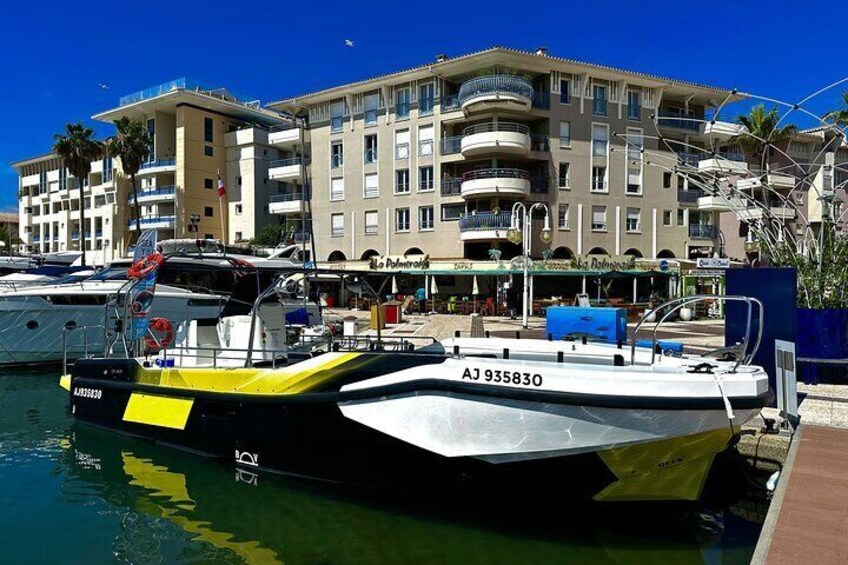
653,302
687,312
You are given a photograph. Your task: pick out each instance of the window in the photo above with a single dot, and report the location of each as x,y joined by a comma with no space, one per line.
107,169
600,140
337,225
372,218
208,211
336,154
666,217
666,180
599,179
681,182
426,96
402,144
599,100
565,91
151,149
208,136
425,218
402,219
425,141
207,183
634,106
562,217
565,134
402,103
63,178
238,209
402,181
370,149
599,218
564,175
372,187
452,212
681,218
208,151
238,181
634,161
337,191
372,102
337,111
239,236
633,215
425,179
208,236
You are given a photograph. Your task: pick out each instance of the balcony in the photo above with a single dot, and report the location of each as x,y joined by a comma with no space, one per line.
776,181
153,223
451,187
285,135
159,194
451,145
287,169
496,92
484,226
540,142
490,182
542,100
164,165
777,209
676,121
450,103
724,163
501,137
720,203
246,136
703,231
685,159
290,203
722,130
688,197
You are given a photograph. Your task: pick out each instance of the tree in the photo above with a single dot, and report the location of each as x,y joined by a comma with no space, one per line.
77,148
271,235
131,145
762,133
839,117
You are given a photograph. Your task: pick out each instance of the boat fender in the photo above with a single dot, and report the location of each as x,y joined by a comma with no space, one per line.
160,325
143,267
702,368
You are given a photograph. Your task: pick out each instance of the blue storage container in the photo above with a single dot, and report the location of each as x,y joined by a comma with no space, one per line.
609,324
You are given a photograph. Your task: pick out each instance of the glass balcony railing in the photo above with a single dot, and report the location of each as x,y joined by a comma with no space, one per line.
425,106
703,231
689,159
482,221
164,162
451,145
160,191
152,220
450,102
451,187
688,196
677,121
289,197
402,110
508,85
289,162
730,156
539,142
542,100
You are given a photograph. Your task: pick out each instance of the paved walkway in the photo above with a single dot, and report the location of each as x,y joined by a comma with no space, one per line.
812,522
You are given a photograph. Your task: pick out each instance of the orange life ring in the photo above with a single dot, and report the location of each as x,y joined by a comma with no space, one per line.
159,325
144,267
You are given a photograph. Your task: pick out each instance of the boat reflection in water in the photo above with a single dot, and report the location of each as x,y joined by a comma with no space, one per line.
179,507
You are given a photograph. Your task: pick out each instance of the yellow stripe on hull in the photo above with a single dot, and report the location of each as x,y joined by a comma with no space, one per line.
670,469
158,410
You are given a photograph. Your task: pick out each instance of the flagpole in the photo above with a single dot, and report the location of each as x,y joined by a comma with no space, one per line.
221,191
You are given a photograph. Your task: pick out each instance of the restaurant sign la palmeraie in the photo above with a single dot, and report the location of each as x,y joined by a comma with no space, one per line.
599,263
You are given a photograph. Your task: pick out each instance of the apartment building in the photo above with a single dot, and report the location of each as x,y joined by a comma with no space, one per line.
431,159
198,132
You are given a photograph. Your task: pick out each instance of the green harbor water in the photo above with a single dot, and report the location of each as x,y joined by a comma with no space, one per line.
73,494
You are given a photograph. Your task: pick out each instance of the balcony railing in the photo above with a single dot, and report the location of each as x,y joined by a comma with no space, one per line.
152,220
161,191
75,235
738,157
289,197
495,84
497,173
450,102
542,100
688,196
165,162
689,159
301,237
540,185
599,106
284,127
425,147
451,187
402,151
37,238
425,106
336,161
289,162
499,126
451,145
540,142
402,110
691,123
483,221
703,231
336,123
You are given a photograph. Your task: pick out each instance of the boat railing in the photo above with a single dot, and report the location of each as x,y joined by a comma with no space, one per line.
85,330
217,355
671,307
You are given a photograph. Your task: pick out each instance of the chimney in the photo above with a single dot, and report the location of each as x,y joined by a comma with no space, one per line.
441,58
542,51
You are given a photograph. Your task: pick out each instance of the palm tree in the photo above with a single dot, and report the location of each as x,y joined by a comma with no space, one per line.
840,117
762,133
77,148
132,146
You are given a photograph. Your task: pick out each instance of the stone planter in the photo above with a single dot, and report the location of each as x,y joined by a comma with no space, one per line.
686,314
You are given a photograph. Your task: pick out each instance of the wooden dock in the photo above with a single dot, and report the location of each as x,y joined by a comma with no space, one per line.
808,521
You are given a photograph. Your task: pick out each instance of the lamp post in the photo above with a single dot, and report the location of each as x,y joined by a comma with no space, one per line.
519,230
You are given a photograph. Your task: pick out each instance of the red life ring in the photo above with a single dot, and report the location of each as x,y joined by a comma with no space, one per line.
163,325
144,267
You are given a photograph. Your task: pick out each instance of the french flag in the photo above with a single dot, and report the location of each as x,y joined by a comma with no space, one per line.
221,190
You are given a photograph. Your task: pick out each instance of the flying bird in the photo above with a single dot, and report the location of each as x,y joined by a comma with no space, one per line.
349,42
103,86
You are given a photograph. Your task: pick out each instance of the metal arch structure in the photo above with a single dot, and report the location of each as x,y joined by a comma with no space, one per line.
754,204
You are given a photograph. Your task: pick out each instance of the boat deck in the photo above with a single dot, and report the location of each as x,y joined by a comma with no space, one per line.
813,512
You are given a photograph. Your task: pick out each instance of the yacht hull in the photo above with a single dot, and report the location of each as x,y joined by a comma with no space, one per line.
327,419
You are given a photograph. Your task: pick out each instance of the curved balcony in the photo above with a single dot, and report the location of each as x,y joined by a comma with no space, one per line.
496,92
484,226
501,137
489,182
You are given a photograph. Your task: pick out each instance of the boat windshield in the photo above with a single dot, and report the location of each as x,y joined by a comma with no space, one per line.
110,274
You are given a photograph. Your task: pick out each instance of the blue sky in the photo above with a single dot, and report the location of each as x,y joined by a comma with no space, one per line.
54,55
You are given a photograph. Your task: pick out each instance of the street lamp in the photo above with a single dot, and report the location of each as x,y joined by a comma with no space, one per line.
519,230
